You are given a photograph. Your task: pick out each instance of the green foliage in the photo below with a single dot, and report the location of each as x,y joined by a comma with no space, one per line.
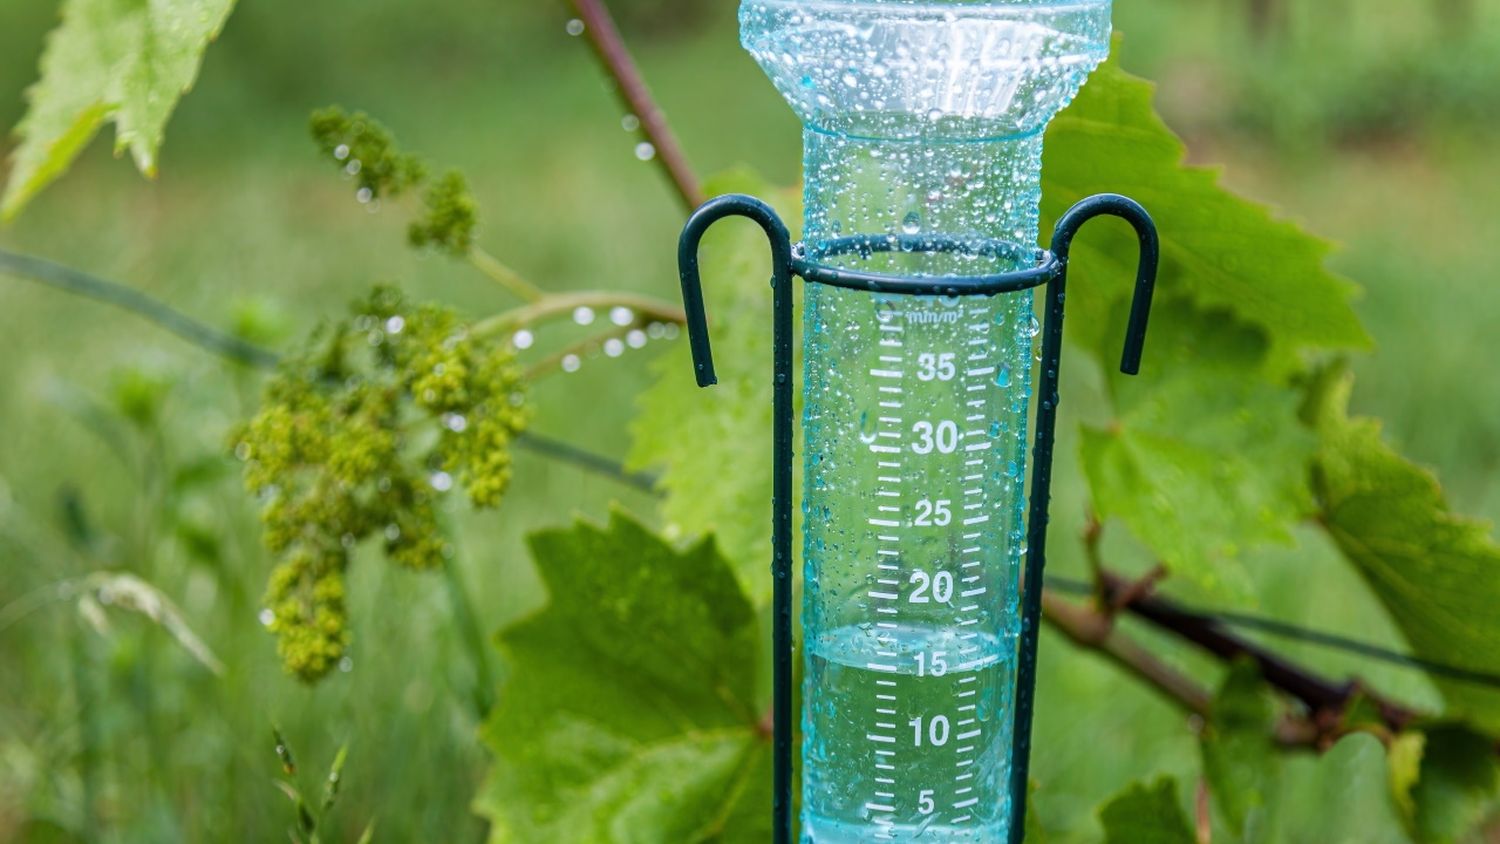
680,425
308,818
1205,457
366,151
109,60
449,217
359,436
1434,571
1446,782
631,712
1240,758
1219,249
1201,460
1147,814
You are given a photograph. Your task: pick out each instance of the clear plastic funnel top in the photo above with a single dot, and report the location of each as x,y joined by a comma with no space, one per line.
904,68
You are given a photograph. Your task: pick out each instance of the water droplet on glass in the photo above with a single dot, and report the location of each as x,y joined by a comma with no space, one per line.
621,316
614,347
353,167
575,27
645,151
364,195
911,223
242,452
455,422
392,532
267,618
346,664
583,315
630,123
341,152
1033,328
1002,377
570,363
523,339
441,481
635,339
395,324
669,331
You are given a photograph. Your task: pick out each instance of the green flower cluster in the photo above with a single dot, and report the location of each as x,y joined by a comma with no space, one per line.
366,151
359,437
448,218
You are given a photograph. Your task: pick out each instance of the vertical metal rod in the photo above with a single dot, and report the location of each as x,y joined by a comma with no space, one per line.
1046,430
781,545
1036,555
782,648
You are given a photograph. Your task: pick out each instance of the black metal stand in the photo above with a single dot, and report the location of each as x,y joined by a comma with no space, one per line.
1051,269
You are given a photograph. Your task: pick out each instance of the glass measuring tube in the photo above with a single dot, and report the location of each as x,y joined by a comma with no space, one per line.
922,119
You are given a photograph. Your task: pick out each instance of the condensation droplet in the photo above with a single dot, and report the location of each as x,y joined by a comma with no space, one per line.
267,618
621,315
364,195
395,324
614,347
645,151
635,339
341,152
523,339
441,481
575,27
583,315
570,363
630,123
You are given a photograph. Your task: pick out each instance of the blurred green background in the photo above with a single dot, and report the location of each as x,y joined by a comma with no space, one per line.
1374,127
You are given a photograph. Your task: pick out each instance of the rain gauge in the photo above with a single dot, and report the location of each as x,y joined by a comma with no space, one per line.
922,562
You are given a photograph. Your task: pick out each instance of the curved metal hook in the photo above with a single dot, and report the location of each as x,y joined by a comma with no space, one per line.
782,817
1112,204
731,205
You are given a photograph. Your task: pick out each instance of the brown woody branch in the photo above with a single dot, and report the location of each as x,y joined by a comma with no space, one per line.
1323,702
610,48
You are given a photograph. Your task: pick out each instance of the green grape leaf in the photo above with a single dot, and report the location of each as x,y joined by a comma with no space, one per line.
631,711
1205,457
1240,758
1433,570
1219,249
1147,814
1446,781
122,60
713,446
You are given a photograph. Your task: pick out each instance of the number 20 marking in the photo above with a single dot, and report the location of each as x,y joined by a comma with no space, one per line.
941,585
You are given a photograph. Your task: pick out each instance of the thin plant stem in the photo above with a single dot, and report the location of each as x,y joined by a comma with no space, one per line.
558,305
553,362
506,277
483,693
128,298
604,37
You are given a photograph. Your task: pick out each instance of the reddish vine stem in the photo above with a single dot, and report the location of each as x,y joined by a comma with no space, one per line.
1325,700
609,47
